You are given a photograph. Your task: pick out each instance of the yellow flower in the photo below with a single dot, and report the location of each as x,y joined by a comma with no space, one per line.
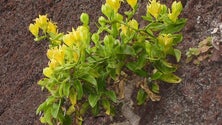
132,3
176,9
115,4
59,56
52,28
34,29
50,53
154,8
74,37
42,22
47,72
56,54
69,39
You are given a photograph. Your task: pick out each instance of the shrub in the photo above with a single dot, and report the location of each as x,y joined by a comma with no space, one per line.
84,67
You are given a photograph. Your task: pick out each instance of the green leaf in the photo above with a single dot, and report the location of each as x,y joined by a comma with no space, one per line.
177,54
106,106
70,110
102,21
90,79
148,17
84,18
95,110
126,50
55,109
66,89
164,66
170,78
93,99
173,28
156,26
141,97
79,89
84,108
73,96
50,100
41,107
177,38
155,88
95,38
133,67
43,82
47,116
108,42
156,75
107,10
67,120
111,94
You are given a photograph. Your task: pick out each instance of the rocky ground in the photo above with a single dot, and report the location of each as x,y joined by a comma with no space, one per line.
197,100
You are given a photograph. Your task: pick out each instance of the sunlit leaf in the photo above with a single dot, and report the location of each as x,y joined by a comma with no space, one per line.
106,106
170,78
177,54
111,95
90,79
93,99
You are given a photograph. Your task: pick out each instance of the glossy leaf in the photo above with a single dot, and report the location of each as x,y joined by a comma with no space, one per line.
55,109
90,79
93,99
106,106
177,54
111,95
170,78
73,96
79,89
126,50
164,66
84,18
141,97
155,88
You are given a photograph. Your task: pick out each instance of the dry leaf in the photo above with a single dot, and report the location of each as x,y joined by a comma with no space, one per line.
203,57
154,97
121,89
204,49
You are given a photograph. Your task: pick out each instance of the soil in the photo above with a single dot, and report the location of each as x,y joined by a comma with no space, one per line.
197,100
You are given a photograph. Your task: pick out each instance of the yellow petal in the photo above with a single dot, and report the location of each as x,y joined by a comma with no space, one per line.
34,29
52,28
42,22
59,56
115,4
50,53
176,10
154,8
69,39
132,3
